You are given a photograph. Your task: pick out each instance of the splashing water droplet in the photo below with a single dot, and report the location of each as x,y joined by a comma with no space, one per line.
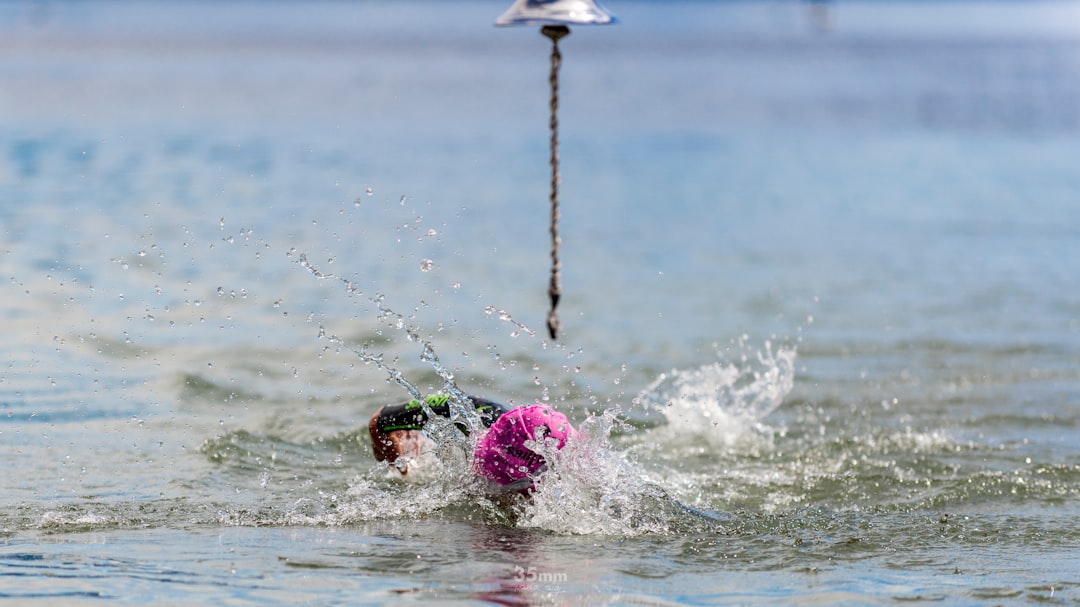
426,265
724,402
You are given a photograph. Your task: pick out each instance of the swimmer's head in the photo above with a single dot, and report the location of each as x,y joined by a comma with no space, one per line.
502,456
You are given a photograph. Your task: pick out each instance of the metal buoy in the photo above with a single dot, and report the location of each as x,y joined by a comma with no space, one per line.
555,17
556,12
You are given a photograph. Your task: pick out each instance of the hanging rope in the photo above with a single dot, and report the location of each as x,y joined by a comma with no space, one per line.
555,32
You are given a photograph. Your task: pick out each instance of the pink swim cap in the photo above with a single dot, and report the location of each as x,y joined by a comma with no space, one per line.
501,455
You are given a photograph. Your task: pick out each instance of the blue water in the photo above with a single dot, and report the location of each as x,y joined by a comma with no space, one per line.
821,322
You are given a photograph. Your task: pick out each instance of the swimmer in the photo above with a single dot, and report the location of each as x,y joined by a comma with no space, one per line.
501,455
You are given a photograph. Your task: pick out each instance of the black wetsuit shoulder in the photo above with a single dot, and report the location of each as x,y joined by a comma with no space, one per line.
412,415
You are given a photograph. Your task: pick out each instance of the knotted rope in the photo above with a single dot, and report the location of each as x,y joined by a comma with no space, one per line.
555,32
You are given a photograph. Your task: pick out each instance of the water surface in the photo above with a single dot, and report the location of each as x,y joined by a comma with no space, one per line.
821,323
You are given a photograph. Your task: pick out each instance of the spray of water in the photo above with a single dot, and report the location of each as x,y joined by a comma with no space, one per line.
588,487
461,412
722,404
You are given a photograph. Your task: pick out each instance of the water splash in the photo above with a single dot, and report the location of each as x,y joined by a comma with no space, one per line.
593,488
461,411
589,488
504,316
721,404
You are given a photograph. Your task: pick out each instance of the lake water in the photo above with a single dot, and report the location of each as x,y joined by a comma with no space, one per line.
821,312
